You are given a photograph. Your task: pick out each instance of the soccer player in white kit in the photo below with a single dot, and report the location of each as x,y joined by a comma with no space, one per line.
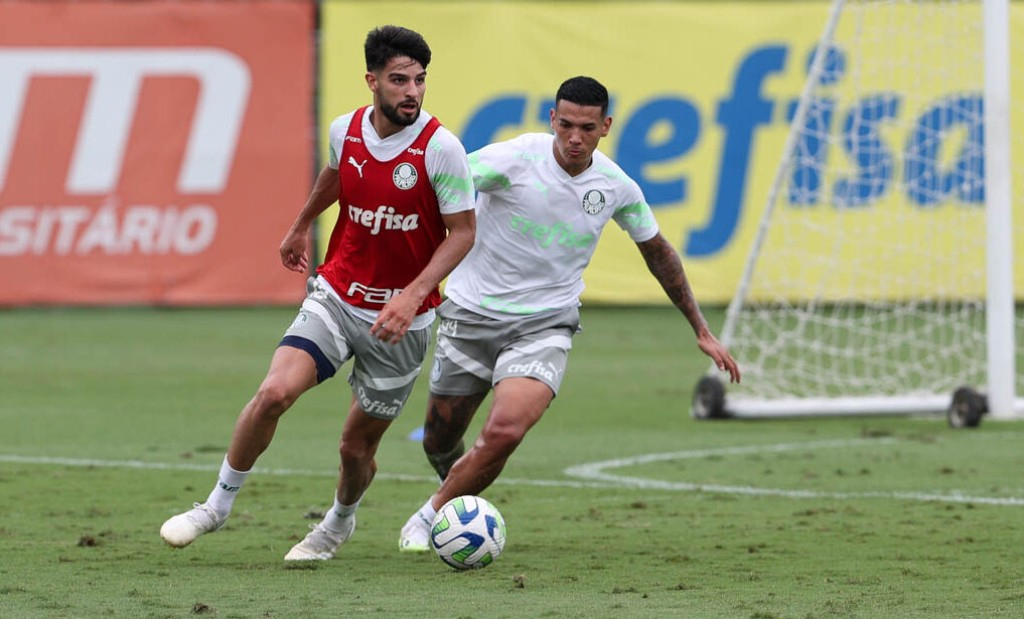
512,306
404,188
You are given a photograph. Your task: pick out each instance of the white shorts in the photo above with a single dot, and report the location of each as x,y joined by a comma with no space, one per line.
475,352
383,374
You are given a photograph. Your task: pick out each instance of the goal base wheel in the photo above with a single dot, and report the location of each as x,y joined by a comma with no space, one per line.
966,409
709,399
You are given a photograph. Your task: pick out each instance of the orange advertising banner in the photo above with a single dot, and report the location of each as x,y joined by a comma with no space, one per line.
152,152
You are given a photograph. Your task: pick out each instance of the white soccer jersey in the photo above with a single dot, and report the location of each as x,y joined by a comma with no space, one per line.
444,161
538,227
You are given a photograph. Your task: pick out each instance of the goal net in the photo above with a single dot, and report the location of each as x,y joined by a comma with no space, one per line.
884,176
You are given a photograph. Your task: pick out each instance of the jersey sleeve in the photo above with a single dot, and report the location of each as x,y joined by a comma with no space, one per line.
448,168
634,215
336,138
490,167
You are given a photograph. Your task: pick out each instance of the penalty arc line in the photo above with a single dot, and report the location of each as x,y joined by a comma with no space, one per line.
595,471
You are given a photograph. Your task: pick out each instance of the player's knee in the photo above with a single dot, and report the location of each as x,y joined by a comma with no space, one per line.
502,437
354,450
273,399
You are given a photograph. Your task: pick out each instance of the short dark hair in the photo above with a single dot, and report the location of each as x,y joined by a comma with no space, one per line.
583,90
388,42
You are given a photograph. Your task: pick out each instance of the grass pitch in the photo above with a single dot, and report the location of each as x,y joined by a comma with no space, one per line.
618,504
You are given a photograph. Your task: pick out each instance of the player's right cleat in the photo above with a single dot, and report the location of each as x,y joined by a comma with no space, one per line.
320,544
415,535
181,530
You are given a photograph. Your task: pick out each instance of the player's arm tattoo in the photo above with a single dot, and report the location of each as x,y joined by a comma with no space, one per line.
664,263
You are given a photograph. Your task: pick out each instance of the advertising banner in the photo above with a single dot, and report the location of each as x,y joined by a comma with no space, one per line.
702,98
152,152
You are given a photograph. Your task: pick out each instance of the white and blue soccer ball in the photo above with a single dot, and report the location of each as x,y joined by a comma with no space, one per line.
468,533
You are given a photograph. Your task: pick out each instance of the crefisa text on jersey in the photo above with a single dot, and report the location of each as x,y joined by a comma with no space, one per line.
384,217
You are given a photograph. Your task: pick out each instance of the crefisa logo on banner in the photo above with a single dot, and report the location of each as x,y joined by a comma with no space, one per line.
115,77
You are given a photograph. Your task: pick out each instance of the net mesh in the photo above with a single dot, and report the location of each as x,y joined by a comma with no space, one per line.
885,184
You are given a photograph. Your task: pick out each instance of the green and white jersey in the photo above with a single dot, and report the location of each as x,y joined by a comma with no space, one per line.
537,227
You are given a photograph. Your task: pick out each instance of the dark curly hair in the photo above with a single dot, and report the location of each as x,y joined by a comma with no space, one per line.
388,42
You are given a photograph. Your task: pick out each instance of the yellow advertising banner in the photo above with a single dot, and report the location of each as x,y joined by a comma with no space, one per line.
703,94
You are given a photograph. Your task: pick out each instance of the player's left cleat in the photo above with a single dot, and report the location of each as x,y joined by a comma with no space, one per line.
181,530
320,544
415,535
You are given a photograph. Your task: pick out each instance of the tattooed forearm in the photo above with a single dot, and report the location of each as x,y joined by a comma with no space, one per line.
664,263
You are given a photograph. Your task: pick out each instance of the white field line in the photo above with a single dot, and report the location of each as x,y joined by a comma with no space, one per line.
595,471
593,475
213,468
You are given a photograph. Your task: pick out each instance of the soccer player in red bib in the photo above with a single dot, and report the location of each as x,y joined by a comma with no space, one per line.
403,185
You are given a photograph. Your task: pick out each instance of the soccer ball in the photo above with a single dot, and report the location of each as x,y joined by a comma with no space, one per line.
468,533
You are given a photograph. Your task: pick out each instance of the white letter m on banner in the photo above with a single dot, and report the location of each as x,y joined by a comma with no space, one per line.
117,75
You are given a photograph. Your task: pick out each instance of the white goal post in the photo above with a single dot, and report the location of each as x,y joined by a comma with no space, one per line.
881,277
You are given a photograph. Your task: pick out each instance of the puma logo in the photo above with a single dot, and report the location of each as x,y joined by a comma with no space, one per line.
358,166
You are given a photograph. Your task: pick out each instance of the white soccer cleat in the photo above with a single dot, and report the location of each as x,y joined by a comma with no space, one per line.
320,544
415,535
181,530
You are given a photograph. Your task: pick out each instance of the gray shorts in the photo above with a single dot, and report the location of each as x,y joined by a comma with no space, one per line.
382,375
475,352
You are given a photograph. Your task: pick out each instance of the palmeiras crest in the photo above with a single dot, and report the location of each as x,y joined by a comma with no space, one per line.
593,201
405,176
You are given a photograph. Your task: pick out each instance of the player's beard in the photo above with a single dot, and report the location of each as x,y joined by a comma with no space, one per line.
391,113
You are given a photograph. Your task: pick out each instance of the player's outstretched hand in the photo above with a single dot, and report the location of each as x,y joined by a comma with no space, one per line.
711,347
295,251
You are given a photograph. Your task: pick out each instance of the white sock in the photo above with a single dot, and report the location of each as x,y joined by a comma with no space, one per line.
427,512
229,482
337,517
